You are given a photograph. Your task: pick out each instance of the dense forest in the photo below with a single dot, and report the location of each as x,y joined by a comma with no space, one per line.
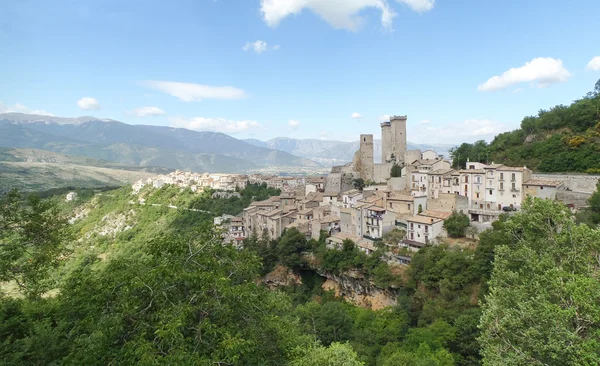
561,139
126,283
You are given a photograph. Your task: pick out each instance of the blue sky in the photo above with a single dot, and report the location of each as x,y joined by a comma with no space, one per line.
300,68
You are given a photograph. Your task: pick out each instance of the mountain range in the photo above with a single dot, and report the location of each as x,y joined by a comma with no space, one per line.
331,152
141,145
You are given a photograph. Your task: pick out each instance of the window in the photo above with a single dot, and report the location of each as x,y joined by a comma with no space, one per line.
501,186
501,176
490,191
419,226
477,195
514,186
514,177
466,179
409,206
541,188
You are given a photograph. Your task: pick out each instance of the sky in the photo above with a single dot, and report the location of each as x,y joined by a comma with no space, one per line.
461,70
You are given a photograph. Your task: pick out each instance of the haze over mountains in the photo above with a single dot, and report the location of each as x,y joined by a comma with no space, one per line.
141,145
331,152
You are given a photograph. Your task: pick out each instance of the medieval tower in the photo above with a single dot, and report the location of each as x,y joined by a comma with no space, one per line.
366,157
393,139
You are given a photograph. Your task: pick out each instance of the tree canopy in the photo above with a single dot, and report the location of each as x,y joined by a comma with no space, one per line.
544,301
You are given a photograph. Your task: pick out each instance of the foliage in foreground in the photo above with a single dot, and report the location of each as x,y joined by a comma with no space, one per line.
544,302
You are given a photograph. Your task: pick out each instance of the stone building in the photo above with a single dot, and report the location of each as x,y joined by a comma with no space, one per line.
393,139
366,157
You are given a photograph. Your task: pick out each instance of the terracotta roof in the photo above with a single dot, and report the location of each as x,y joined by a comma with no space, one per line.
414,243
512,168
401,197
472,171
492,166
305,212
543,182
272,213
345,210
236,219
423,219
377,208
329,219
441,171
436,214
344,236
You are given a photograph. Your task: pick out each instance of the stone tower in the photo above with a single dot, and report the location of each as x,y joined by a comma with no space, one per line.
386,141
366,157
398,136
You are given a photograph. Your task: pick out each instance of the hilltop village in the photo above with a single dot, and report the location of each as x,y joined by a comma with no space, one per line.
410,190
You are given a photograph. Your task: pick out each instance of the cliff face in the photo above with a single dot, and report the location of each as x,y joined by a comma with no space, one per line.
356,289
351,285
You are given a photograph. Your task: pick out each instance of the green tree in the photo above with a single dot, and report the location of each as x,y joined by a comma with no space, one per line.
396,171
359,184
594,202
457,224
544,302
290,246
33,234
337,354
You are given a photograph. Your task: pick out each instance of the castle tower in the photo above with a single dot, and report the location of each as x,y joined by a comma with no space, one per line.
398,135
386,141
366,157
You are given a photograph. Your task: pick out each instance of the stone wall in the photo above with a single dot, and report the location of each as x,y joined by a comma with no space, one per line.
583,183
381,172
449,202
333,183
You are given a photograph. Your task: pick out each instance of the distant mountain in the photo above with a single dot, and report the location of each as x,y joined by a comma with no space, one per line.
40,170
331,152
173,148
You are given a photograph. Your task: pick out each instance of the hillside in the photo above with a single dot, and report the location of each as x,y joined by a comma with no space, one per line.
560,139
34,170
331,152
173,148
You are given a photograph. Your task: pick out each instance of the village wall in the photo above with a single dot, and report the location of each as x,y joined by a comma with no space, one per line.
582,183
449,202
381,172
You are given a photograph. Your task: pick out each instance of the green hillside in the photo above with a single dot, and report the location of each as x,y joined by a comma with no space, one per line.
39,170
127,283
560,139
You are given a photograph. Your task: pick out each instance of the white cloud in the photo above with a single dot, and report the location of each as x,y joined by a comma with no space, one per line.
424,121
189,92
340,14
276,47
257,46
543,71
384,118
88,104
420,6
147,112
214,124
356,115
594,64
294,124
20,108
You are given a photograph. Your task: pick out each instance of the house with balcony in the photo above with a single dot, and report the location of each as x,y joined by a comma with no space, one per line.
236,231
422,230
